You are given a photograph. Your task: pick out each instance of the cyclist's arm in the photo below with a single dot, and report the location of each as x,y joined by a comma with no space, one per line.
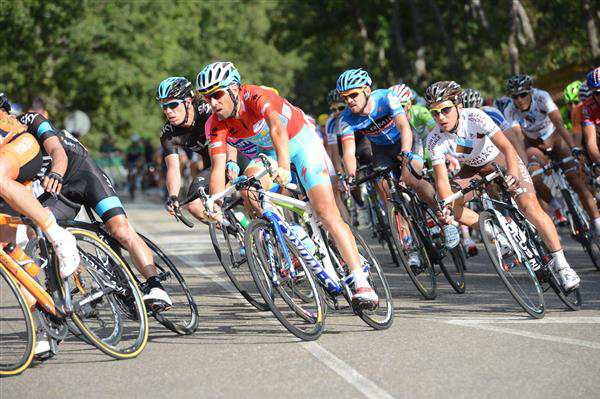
55,149
405,132
173,175
514,134
442,181
589,135
217,172
334,155
558,123
510,154
280,139
231,153
349,149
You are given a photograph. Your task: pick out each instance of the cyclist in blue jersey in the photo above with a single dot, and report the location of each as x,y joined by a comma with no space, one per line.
378,114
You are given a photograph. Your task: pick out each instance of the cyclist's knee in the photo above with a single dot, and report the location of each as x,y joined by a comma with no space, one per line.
120,229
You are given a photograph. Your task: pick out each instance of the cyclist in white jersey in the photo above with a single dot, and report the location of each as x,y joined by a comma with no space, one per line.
477,142
533,111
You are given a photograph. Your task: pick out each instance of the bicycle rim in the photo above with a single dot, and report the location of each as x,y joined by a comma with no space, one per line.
17,334
453,267
589,241
109,310
519,279
572,298
229,247
422,276
303,319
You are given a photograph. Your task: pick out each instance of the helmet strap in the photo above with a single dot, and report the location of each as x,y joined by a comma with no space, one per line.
187,114
236,102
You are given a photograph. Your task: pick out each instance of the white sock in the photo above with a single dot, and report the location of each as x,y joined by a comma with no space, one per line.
360,279
465,232
596,225
559,260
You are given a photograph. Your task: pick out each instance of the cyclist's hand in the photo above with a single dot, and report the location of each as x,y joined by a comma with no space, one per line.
343,182
512,183
283,176
232,170
214,213
445,215
577,152
172,204
53,183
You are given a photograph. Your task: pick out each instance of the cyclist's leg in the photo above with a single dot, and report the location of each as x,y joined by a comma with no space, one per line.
536,160
422,187
196,207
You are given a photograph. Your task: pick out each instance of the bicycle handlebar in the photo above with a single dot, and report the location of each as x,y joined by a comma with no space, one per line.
553,164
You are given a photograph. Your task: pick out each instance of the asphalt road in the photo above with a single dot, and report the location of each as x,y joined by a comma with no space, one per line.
479,344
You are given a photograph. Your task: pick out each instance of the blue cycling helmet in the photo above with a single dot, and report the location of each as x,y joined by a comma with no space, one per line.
593,79
352,79
217,75
174,87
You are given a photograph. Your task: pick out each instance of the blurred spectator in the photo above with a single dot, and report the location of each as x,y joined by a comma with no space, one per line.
38,105
107,145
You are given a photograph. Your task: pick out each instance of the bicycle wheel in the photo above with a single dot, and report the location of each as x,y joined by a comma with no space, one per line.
518,277
17,331
229,247
108,306
381,317
182,318
453,267
572,298
423,275
304,319
382,230
580,221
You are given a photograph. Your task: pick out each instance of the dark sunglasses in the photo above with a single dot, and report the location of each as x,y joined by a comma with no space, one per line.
339,109
519,95
216,95
445,111
171,104
596,93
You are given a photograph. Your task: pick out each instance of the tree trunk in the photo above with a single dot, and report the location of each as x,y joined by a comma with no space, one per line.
400,46
446,39
592,31
513,49
364,34
525,25
417,24
480,16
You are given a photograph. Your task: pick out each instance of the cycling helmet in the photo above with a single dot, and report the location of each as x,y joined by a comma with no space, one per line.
519,83
352,79
217,75
471,98
445,90
174,87
584,91
334,97
322,119
403,92
4,104
502,102
593,79
571,92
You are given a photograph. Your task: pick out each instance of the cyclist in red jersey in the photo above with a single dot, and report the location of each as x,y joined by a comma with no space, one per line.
257,115
590,120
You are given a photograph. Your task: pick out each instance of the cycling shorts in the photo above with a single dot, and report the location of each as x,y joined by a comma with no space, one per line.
308,156
24,152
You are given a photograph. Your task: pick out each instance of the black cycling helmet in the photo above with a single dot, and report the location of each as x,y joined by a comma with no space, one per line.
4,102
174,87
519,84
445,90
471,98
334,97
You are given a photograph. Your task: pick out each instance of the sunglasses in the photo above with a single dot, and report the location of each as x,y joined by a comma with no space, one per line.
596,93
338,109
215,95
519,95
171,104
437,111
352,93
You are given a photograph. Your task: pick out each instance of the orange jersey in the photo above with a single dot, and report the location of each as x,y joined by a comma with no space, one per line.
9,128
251,128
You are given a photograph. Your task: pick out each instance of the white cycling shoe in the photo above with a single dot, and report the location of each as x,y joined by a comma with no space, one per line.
68,255
158,298
414,259
366,297
568,278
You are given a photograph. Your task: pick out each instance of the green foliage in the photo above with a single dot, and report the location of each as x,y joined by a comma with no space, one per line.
106,57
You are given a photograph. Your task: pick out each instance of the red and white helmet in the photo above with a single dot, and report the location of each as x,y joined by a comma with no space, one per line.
403,92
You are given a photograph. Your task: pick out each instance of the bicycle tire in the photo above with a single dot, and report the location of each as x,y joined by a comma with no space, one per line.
520,281
11,312
572,299
383,228
235,266
423,277
456,274
306,323
110,282
589,241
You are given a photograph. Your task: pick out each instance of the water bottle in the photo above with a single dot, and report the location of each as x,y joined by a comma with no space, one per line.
306,240
19,256
451,236
241,217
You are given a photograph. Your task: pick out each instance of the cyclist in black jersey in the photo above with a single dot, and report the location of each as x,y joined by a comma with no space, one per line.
75,174
186,115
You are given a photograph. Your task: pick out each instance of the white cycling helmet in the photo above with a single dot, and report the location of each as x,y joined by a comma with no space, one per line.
215,76
403,92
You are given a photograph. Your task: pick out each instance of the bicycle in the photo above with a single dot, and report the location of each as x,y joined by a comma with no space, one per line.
284,269
408,216
577,217
182,317
519,256
89,298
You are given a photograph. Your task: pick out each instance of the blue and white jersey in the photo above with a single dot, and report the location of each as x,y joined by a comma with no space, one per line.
378,126
497,117
332,129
